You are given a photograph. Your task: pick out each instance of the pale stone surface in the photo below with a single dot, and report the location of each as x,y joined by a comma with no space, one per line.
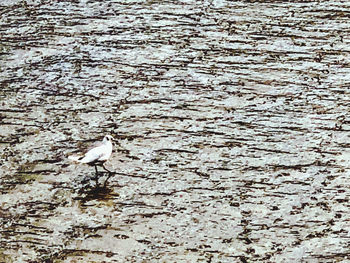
231,122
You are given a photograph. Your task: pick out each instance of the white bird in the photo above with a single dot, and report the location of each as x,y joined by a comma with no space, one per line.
99,154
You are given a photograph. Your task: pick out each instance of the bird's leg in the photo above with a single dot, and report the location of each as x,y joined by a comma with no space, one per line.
96,177
96,169
103,165
110,173
109,176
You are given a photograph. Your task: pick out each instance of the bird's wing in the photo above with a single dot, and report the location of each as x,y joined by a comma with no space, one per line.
92,146
74,158
93,155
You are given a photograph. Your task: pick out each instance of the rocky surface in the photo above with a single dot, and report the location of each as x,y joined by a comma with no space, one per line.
231,120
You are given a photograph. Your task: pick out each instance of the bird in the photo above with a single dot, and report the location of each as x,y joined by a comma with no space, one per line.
99,154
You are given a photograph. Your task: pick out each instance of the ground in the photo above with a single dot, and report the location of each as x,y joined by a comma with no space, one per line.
231,126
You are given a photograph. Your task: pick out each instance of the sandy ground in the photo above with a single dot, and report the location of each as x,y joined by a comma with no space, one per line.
231,126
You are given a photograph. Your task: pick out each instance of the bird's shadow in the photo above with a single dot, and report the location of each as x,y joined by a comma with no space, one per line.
97,193
93,187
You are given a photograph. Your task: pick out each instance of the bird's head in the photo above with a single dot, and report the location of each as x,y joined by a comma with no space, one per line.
108,138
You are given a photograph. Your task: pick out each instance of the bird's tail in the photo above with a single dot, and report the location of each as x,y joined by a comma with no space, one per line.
74,158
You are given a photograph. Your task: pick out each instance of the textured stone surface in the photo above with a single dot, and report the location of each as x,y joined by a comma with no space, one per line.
231,122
